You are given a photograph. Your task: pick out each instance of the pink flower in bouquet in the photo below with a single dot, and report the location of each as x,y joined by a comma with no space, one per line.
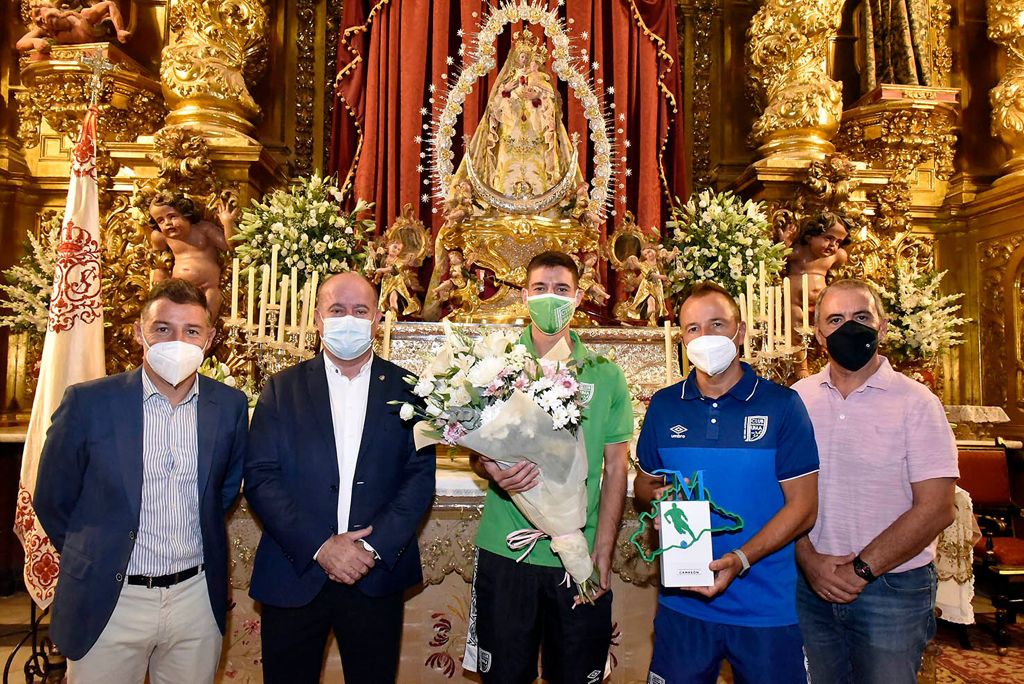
453,432
521,383
568,384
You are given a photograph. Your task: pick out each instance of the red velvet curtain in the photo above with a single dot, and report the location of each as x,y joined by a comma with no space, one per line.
391,50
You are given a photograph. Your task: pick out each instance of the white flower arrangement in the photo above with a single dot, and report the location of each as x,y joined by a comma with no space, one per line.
469,382
309,228
721,238
30,283
923,322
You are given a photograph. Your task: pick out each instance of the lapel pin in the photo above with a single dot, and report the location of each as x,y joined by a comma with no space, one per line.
381,378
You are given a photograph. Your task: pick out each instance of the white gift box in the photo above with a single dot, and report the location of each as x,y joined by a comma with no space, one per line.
686,543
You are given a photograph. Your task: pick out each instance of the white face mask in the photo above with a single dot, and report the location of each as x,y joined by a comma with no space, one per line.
173,361
712,354
347,337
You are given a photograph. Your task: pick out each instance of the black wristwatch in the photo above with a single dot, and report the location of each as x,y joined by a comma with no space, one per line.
863,570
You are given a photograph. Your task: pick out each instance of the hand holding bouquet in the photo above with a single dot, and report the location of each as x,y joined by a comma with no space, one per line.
491,396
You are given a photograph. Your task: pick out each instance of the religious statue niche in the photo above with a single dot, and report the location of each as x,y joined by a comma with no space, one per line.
395,261
624,250
518,190
63,23
177,225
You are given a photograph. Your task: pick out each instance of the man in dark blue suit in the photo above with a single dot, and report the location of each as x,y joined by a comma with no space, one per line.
334,476
136,476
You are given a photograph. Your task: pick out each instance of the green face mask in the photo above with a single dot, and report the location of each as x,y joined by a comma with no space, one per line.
551,312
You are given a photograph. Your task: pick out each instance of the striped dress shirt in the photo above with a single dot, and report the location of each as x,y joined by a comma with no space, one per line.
169,538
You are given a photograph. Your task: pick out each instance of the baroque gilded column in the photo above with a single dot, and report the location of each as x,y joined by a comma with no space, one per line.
218,52
1006,28
787,56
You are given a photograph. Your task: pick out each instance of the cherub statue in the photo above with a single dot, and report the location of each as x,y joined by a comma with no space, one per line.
55,26
581,211
588,280
649,300
397,280
818,248
459,204
461,281
177,225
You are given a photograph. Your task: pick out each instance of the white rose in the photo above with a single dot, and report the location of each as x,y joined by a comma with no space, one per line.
423,388
460,396
485,370
407,412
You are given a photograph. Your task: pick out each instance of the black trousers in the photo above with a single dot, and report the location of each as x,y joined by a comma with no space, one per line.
368,630
522,609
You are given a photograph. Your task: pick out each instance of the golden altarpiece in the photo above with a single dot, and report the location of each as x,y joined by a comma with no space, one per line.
785,102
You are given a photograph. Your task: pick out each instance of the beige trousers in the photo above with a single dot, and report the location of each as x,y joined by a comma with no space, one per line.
171,632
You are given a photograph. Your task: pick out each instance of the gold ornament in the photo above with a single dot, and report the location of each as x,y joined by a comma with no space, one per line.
787,55
1005,28
220,52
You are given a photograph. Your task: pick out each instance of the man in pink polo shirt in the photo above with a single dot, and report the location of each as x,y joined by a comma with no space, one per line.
866,595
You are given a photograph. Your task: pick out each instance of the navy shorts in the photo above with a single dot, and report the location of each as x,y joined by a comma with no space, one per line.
690,651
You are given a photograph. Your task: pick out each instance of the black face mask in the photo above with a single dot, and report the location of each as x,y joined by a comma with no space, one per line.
852,345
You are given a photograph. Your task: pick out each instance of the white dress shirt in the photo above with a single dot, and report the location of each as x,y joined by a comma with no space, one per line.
348,413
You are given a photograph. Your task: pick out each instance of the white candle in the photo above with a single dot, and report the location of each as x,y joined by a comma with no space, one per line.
249,312
312,295
745,317
806,297
787,310
295,299
780,339
305,314
742,301
282,318
751,311
760,289
769,303
234,289
264,295
668,353
273,272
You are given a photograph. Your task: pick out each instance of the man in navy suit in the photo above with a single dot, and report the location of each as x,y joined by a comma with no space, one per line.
136,476
334,476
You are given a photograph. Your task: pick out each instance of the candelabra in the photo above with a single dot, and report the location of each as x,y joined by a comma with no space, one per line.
266,353
776,358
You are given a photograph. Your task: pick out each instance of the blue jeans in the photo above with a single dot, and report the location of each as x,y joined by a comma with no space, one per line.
876,639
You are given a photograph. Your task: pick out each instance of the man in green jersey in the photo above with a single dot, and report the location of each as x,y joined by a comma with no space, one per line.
522,608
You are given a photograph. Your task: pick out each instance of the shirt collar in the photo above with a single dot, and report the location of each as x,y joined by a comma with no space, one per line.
149,388
880,379
579,350
743,390
364,370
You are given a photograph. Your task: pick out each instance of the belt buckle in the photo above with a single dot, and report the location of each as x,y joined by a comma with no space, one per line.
149,582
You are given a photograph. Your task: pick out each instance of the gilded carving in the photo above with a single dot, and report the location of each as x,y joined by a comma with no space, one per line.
900,136
305,86
942,53
1007,98
57,90
787,55
219,52
996,256
700,15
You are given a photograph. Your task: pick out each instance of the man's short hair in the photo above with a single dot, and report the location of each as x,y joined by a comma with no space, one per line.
852,284
176,290
554,259
707,287
183,205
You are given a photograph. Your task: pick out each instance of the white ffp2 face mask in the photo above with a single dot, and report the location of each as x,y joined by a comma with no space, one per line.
173,361
347,337
712,353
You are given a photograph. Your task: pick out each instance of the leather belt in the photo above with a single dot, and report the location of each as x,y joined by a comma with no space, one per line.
164,581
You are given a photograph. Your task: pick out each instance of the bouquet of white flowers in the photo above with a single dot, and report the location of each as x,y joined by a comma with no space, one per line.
492,397
30,283
922,321
309,228
718,237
